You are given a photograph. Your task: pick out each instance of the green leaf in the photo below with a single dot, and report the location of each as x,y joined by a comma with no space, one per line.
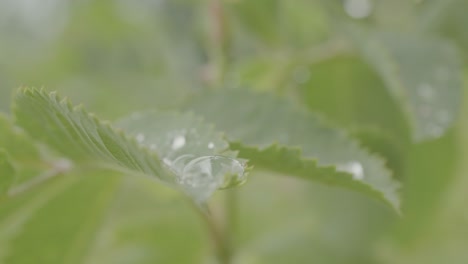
357,100
188,163
22,151
81,136
98,217
286,221
422,73
275,135
16,142
259,17
355,96
7,173
448,19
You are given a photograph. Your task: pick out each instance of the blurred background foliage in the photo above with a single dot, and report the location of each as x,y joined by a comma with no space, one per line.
120,56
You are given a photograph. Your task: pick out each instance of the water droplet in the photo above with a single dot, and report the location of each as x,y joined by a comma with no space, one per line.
301,75
358,8
140,138
179,163
178,142
426,92
211,145
203,175
167,161
353,167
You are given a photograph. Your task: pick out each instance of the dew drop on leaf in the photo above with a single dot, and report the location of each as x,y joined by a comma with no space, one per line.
167,161
353,167
179,163
178,142
202,176
211,145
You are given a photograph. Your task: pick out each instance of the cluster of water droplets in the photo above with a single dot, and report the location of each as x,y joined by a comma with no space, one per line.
200,175
353,167
434,116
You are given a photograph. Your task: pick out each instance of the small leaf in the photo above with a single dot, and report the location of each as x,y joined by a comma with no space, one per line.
423,74
7,173
197,154
275,135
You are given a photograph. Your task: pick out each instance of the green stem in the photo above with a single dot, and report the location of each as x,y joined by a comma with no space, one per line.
231,218
220,236
218,42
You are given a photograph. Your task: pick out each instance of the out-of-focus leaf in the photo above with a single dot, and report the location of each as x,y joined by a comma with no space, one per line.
7,172
259,17
355,98
22,151
18,144
428,175
446,18
422,74
275,135
98,217
310,227
277,23
264,73
434,230
303,23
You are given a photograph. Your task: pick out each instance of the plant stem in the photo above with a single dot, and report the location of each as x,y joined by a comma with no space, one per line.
219,236
218,42
231,218
221,231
